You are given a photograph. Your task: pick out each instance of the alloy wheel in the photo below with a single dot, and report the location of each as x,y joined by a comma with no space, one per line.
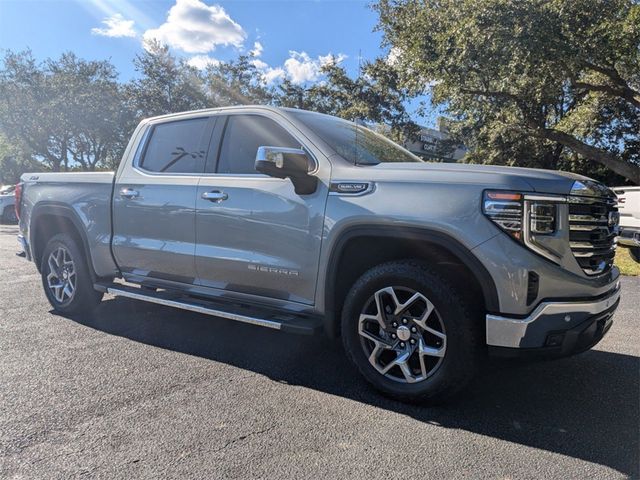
61,278
402,334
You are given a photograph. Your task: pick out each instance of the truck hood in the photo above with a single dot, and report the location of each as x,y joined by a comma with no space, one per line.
527,179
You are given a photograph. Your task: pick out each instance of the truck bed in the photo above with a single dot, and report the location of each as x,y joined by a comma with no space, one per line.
84,198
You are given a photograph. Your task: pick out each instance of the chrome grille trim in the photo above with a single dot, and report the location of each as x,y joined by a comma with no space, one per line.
592,237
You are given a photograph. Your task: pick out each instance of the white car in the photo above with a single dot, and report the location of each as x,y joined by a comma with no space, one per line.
7,204
629,208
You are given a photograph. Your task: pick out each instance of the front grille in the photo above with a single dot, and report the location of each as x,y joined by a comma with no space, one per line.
593,229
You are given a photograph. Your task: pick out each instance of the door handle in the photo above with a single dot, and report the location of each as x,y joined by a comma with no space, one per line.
215,196
129,193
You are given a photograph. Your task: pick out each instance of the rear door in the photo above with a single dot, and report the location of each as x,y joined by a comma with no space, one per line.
154,201
254,234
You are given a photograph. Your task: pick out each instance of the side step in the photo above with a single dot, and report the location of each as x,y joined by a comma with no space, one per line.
291,323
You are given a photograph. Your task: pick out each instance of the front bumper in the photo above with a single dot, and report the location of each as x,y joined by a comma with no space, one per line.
555,327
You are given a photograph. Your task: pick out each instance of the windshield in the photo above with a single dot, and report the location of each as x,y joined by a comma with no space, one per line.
355,143
7,190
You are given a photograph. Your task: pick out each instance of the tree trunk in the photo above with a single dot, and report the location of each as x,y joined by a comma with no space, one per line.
65,155
54,161
626,169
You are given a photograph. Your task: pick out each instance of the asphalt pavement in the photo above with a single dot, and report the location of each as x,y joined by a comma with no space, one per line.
142,391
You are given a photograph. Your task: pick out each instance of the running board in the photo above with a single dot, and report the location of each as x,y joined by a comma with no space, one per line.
285,322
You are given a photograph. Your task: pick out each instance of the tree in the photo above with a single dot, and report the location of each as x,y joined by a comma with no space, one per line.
166,84
541,83
14,162
88,103
26,110
373,97
237,82
63,111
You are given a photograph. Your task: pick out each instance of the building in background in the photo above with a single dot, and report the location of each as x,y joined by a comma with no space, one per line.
436,145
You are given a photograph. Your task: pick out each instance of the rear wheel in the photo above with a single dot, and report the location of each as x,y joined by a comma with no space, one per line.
410,333
65,276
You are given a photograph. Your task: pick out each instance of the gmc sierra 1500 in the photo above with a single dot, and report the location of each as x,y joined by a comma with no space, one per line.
302,222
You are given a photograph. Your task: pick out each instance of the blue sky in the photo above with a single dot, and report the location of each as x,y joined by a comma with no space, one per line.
290,38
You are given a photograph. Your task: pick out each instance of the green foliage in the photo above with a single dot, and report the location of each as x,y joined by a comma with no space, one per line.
626,264
87,99
73,114
237,82
166,84
61,111
373,97
14,162
527,82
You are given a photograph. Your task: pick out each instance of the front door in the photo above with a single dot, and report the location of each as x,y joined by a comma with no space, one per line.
254,234
154,201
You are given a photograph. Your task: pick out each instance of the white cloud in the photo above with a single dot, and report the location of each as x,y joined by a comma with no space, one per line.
273,75
301,68
331,58
195,27
201,62
269,74
257,49
259,64
393,57
115,26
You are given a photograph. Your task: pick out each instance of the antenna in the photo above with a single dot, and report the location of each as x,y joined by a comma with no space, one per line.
356,119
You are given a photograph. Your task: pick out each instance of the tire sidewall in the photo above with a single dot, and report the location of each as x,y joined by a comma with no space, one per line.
461,346
85,297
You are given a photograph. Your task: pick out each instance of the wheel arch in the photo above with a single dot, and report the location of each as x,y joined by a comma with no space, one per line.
50,219
361,247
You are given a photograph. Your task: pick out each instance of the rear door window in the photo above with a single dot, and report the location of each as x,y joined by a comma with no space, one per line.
178,147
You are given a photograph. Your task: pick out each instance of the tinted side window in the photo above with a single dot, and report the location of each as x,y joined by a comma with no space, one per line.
177,147
243,135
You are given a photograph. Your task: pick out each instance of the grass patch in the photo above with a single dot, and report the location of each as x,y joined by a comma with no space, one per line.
626,264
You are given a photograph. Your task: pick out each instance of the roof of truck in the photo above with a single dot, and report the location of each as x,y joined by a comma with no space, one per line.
229,109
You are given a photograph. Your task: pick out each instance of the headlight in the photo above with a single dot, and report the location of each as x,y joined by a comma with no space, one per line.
543,218
505,210
527,218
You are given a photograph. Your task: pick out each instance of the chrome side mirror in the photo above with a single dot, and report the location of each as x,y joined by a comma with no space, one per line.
292,163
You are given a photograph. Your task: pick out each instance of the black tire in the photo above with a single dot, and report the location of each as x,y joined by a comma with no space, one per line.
9,215
463,328
85,297
635,253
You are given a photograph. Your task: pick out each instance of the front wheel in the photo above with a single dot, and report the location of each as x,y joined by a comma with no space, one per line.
410,333
65,276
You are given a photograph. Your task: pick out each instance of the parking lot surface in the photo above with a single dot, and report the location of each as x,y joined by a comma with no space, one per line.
142,391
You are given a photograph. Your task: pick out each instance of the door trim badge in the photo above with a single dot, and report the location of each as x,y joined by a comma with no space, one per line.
351,189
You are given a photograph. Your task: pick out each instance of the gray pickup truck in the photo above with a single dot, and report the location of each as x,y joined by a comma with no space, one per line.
303,222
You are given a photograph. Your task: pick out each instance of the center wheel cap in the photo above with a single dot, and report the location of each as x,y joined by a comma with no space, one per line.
404,333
